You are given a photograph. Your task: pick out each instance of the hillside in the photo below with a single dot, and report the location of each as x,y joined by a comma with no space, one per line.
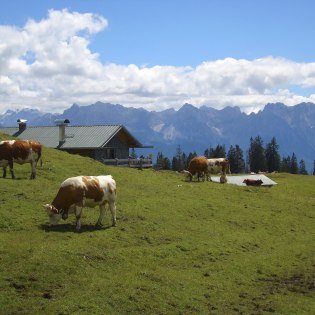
179,247
195,129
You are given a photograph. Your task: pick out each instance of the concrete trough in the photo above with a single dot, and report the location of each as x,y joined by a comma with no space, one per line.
238,179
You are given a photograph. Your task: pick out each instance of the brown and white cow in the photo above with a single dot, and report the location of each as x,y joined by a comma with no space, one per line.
83,191
19,151
219,166
197,166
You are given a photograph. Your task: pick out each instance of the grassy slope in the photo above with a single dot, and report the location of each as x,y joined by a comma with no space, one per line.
178,247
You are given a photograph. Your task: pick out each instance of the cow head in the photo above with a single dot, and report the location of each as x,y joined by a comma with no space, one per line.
188,175
53,213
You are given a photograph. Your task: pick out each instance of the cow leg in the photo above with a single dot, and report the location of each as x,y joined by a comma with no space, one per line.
33,166
11,169
78,214
223,178
102,215
4,171
112,208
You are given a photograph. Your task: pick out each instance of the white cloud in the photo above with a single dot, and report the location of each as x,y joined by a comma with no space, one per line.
48,64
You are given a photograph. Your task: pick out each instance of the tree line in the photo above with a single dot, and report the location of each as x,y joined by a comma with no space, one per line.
258,158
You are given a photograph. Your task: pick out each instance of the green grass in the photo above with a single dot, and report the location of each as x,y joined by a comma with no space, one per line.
178,248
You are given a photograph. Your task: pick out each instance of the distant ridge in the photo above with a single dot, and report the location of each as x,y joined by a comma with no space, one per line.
194,129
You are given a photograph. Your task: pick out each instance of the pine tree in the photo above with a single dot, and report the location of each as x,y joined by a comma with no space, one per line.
256,155
184,160
218,152
232,159
236,159
162,162
314,168
207,153
159,163
167,163
302,168
272,156
285,164
294,164
174,164
240,163
178,162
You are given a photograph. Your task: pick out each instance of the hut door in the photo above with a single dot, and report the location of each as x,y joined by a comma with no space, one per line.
111,153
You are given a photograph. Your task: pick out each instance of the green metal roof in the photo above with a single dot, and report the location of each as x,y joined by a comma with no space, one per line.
76,136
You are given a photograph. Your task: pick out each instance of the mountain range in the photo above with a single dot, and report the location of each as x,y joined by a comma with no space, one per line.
194,129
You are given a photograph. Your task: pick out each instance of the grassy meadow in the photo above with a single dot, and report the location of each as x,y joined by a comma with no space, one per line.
178,247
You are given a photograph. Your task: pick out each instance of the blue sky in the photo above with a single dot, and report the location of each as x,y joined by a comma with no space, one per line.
157,54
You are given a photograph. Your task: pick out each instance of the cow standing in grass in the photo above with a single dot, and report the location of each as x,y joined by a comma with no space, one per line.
19,151
83,191
197,166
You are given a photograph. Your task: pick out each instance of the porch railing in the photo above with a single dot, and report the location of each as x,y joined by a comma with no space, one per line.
136,163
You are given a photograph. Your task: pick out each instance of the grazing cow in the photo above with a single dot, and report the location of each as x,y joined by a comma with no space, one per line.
19,151
219,165
83,191
253,182
198,165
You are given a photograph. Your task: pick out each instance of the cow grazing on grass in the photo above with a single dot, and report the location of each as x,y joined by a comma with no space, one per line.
19,151
253,182
197,166
83,191
219,165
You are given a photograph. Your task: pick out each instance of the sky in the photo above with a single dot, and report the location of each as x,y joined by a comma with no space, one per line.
156,54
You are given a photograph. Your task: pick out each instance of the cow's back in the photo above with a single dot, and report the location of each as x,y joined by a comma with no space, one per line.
75,190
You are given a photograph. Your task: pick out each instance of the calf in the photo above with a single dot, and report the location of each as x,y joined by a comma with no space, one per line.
19,151
83,191
252,182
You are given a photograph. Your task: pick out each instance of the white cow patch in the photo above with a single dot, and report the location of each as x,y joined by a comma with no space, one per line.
7,141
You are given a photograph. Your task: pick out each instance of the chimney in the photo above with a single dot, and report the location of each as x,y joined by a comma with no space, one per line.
62,123
22,124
